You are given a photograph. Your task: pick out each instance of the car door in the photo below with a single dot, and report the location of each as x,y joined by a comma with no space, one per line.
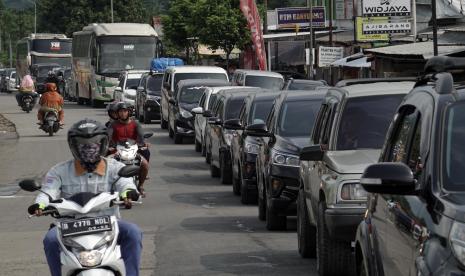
141,95
398,218
263,153
166,94
197,119
215,133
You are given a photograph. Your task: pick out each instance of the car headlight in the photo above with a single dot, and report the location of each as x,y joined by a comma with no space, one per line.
457,240
184,113
285,159
353,191
228,136
251,148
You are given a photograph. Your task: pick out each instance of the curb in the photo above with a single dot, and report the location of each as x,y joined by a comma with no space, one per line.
7,134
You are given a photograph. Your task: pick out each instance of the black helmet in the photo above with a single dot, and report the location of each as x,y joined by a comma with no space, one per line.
111,107
121,106
88,141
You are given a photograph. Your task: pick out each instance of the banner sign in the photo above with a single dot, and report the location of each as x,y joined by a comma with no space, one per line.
250,11
328,55
291,17
387,28
386,7
361,37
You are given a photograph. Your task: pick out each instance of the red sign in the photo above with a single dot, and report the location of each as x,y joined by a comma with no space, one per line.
55,46
249,8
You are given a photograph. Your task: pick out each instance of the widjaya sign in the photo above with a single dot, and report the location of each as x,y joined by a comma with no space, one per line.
386,7
250,11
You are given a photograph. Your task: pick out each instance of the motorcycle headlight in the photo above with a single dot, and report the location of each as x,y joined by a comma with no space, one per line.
228,136
184,113
353,191
90,258
457,241
285,159
251,148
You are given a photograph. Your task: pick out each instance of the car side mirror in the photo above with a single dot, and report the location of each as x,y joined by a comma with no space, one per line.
207,114
234,124
388,178
29,185
140,89
311,153
172,101
148,135
197,110
118,89
215,121
129,171
257,130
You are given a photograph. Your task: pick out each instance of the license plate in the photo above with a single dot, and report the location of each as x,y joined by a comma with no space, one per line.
85,226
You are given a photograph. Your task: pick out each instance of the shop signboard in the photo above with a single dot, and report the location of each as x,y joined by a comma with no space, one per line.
361,37
386,7
387,28
328,55
292,17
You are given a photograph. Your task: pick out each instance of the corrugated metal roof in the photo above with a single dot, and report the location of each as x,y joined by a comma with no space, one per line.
419,49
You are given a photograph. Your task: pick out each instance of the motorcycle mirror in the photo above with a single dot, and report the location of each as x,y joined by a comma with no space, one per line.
148,135
29,185
129,171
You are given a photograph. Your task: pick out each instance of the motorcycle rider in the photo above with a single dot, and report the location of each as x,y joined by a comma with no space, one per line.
112,113
26,87
51,100
126,128
89,171
52,77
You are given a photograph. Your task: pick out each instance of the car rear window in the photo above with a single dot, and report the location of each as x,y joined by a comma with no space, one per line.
132,83
264,82
233,107
297,118
187,76
365,120
154,84
259,112
191,95
304,85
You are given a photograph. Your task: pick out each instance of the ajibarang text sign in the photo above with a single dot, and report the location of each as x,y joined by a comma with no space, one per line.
386,7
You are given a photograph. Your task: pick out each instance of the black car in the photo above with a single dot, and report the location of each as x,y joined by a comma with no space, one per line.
244,148
227,106
185,98
415,218
147,106
296,84
285,133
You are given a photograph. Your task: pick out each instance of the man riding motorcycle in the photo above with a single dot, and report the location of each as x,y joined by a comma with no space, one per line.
89,171
112,113
51,100
125,128
26,88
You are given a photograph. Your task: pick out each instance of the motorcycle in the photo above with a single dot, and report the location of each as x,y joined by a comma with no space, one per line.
27,103
50,123
88,242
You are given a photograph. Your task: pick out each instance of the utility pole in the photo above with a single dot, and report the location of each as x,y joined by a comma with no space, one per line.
435,27
111,8
11,52
310,41
35,16
330,22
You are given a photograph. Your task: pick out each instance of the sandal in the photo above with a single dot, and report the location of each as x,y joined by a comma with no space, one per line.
141,191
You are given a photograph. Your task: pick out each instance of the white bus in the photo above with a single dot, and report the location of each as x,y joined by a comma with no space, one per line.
101,51
40,49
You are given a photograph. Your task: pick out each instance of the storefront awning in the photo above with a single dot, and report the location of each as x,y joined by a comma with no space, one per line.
420,50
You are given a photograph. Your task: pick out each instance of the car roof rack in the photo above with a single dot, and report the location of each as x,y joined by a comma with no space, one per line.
349,82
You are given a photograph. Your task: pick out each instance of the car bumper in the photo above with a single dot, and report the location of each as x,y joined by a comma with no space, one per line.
342,223
185,127
284,198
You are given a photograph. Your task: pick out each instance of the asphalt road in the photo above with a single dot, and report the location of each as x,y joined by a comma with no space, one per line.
192,224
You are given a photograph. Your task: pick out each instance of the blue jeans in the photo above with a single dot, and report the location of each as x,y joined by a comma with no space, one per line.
129,238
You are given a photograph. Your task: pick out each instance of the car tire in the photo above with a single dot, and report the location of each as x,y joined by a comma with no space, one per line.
363,269
140,117
246,197
146,118
208,156
214,171
204,149
274,221
163,122
170,132
333,256
306,233
198,145
236,185
225,173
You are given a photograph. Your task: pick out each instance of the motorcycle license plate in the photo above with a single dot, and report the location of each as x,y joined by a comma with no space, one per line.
85,226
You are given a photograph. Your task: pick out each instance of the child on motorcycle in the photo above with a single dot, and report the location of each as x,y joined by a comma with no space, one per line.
126,128
51,100
89,171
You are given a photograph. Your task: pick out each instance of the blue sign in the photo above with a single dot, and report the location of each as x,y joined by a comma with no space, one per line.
290,17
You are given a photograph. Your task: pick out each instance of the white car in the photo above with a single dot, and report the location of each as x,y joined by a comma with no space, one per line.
127,87
206,103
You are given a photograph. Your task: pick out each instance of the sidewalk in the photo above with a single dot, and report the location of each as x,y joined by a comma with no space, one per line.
7,129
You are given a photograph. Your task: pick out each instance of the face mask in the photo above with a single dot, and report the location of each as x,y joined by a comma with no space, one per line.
89,153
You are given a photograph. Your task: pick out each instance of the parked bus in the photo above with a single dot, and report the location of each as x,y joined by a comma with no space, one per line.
101,51
42,48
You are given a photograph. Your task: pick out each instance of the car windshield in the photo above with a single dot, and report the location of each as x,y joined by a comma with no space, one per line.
154,84
454,148
233,107
259,112
132,83
191,95
303,85
297,118
187,76
365,120
264,82
60,61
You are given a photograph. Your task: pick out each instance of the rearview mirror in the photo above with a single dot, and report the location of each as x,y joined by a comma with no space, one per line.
234,124
388,178
311,153
29,185
215,121
257,130
207,114
197,110
148,135
118,88
129,171
140,89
